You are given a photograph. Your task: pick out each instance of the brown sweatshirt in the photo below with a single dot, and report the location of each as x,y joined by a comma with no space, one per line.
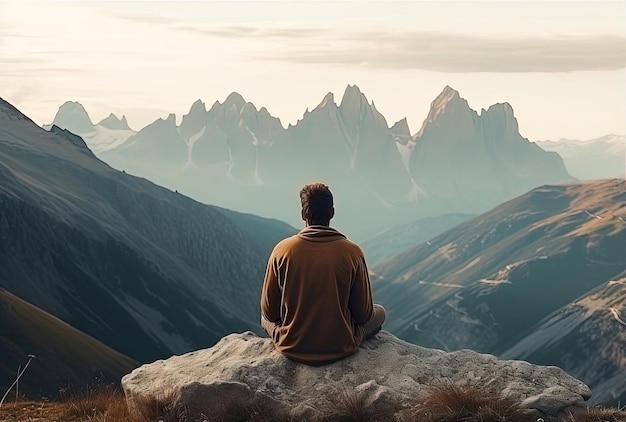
317,290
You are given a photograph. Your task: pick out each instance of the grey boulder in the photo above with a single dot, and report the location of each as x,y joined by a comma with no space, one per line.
247,369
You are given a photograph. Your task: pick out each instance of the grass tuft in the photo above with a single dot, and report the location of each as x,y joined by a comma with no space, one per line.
445,403
596,414
468,403
349,405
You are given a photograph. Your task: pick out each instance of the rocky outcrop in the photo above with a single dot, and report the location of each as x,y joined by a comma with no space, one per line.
247,368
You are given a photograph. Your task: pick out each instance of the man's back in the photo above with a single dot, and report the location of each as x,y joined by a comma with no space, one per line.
317,290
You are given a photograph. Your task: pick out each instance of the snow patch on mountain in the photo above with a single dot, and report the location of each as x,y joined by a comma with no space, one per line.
190,142
405,151
104,139
255,141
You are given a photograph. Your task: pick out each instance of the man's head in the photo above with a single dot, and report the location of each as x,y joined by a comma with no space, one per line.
317,204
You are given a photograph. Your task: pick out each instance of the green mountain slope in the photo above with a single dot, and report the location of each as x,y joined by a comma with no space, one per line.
142,269
587,339
488,284
64,357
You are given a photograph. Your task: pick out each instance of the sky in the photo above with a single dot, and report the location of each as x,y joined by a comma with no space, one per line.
560,64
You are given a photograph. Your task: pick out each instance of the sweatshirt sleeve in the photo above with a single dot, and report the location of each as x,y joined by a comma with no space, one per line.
361,303
270,293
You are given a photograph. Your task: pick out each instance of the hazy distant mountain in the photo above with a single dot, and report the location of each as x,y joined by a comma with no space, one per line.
114,123
488,283
73,116
142,269
479,160
599,158
240,157
107,134
587,338
390,242
64,356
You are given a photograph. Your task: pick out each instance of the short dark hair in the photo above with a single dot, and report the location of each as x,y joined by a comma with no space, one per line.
317,204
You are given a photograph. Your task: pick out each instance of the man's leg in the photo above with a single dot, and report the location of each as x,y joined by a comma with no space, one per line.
268,326
374,325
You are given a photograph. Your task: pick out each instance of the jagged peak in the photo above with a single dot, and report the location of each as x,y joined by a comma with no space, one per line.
352,90
327,101
215,106
448,99
72,107
72,104
401,127
352,96
234,98
503,108
113,122
445,99
197,106
446,96
73,116
248,108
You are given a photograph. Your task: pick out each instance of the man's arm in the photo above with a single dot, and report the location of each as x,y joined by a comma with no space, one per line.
361,303
270,293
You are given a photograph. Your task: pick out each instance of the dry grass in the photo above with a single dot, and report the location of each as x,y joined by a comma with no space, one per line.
105,404
597,415
445,403
468,403
349,405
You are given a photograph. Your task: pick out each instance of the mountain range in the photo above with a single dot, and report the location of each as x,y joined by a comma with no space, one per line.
240,157
141,269
136,272
539,277
599,158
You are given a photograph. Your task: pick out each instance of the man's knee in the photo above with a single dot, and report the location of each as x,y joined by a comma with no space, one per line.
379,314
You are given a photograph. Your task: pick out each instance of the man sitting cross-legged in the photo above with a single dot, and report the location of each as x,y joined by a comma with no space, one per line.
316,301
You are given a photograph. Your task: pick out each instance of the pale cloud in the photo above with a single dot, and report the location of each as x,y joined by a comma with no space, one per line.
240,31
145,18
429,50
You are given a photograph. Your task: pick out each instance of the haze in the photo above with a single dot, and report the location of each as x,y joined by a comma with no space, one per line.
560,64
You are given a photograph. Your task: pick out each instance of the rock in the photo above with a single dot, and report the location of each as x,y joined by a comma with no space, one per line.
385,371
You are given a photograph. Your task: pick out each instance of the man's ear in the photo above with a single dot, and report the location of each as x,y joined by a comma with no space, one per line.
332,213
302,214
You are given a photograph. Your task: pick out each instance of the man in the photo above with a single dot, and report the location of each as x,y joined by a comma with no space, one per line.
316,301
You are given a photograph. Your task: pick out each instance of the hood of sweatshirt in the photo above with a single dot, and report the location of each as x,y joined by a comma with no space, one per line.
320,234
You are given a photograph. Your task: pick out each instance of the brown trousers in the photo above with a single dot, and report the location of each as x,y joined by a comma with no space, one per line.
370,328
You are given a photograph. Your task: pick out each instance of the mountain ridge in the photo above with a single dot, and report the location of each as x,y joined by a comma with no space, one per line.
99,249
488,283
384,173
